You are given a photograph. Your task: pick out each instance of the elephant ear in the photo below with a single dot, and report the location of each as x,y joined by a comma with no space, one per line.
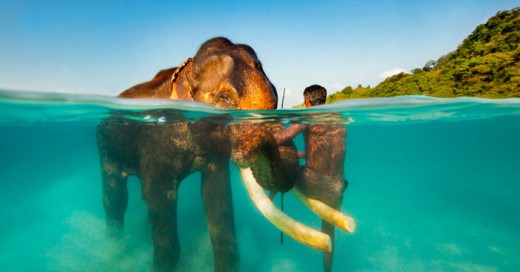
181,81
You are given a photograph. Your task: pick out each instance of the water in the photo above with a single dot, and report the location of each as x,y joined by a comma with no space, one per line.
434,186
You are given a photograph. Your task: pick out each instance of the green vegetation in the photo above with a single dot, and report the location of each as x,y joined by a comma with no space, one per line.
486,64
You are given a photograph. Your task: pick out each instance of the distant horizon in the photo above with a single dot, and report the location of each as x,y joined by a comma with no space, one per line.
103,48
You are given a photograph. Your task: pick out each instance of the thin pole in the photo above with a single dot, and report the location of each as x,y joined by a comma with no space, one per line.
281,204
283,97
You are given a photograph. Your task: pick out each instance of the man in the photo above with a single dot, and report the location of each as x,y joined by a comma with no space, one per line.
322,177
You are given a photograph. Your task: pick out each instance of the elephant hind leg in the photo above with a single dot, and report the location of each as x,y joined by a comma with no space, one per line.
115,198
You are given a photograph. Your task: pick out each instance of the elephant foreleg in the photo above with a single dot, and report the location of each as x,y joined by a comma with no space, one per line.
218,203
115,198
162,210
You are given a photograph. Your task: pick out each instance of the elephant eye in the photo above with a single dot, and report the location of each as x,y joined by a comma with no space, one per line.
225,99
223,96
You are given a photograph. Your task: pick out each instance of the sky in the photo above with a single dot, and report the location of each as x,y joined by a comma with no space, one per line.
104,47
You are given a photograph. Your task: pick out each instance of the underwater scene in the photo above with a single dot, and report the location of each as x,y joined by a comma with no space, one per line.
434,185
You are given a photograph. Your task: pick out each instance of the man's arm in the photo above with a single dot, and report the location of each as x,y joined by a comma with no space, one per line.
289,133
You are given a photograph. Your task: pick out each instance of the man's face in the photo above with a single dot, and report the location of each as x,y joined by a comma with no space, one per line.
307,103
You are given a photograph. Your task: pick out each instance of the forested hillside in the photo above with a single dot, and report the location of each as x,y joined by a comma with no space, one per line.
486,64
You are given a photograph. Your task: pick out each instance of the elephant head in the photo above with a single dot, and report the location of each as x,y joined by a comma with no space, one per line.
224,74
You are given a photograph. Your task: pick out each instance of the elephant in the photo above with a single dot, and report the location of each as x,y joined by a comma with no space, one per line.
161,155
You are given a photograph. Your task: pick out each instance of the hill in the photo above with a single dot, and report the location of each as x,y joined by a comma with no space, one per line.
486,64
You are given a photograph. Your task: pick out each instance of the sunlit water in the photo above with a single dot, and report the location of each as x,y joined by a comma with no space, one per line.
434,186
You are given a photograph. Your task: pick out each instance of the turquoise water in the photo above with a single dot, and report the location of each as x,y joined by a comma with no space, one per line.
434,186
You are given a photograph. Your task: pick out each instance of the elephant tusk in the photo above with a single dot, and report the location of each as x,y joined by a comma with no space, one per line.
289,226
329,214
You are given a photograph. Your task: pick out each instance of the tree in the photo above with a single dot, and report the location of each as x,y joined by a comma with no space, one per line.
430,65
486,64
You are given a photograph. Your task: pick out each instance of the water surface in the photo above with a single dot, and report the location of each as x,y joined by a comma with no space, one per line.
434,186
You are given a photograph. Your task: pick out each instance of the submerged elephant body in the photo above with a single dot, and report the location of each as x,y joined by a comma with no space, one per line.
224,74
161,156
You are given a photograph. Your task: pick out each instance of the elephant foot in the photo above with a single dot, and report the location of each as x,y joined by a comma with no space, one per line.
115,229
163,267
164,260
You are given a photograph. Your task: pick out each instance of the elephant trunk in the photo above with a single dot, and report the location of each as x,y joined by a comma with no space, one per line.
253,146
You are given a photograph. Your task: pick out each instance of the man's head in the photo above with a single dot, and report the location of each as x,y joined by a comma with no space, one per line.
314,95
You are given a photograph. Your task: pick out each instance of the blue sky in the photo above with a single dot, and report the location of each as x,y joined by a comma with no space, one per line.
104,47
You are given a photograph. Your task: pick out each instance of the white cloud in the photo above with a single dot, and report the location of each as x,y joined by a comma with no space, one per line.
391,72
